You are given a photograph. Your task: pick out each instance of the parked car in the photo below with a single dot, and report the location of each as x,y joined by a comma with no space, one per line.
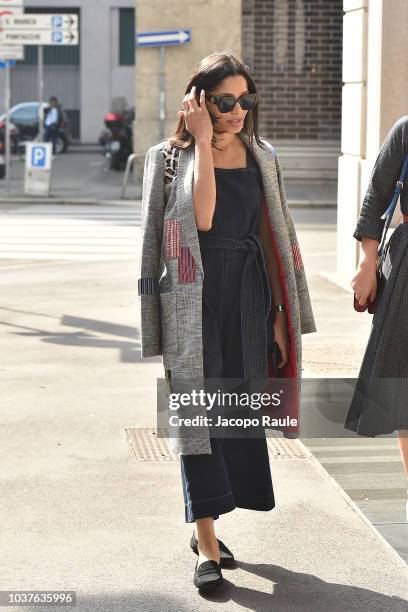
25,117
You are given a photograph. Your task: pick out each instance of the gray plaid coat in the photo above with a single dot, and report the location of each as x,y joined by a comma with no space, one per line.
171,272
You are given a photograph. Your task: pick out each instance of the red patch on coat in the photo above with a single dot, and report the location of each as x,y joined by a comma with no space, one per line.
297,257
186,266
172,238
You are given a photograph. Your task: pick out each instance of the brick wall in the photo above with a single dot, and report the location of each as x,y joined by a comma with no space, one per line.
294,50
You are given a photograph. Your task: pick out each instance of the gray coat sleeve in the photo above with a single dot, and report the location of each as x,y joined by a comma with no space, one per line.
382,183
307,321
150,262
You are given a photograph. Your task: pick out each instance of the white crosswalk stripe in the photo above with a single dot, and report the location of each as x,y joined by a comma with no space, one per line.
69,233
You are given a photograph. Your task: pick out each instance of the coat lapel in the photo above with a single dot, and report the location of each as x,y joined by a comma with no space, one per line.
266,165
184,201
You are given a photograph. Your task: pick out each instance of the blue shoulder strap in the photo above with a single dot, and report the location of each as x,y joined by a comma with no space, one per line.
391,208
398,189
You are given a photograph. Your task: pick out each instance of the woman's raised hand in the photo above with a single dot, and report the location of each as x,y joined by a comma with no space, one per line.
196,117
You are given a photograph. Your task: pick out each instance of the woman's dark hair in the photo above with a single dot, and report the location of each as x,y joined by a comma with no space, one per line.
207,75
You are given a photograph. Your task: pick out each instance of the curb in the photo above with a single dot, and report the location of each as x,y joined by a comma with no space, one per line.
70,201
354,507
307,204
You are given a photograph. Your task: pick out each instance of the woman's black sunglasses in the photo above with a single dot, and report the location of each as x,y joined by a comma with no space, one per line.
226,103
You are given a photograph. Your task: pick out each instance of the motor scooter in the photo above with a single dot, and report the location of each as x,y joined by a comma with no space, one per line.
117,140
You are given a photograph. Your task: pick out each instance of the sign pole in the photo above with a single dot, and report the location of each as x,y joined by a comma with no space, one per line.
40,92
7,134
162,39
162,93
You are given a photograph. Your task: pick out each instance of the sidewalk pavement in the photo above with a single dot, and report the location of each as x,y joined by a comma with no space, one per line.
82,171
81,513
77,177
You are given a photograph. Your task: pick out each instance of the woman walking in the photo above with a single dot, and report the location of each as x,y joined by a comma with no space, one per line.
380,401
233,294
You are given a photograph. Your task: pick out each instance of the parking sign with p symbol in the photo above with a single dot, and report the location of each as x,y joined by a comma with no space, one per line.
38,157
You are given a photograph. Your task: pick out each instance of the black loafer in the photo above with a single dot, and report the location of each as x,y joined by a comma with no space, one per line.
226,556
207,575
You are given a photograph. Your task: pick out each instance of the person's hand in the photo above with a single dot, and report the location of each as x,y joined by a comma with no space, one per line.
364,282
197,118
280,327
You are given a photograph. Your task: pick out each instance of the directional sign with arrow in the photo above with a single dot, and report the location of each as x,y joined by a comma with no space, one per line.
11,51
11,3
39,37
165,37
31,21
162,39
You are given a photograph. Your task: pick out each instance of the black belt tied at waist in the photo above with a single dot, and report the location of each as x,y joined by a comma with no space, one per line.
255,301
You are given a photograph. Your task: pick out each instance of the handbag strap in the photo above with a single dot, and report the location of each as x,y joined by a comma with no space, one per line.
391,208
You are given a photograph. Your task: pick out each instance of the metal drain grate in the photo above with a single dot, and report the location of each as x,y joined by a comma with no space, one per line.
145,445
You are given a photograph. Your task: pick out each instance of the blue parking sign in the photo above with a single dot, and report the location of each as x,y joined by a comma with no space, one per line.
56,22
38,156
57,37
37,177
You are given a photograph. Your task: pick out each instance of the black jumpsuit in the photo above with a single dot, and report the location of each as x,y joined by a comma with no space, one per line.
237,473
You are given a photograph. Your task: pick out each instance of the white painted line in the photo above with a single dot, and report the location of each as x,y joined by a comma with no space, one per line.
333,449
370,459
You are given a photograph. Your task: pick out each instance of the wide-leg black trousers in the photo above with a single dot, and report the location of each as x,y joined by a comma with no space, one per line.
237,473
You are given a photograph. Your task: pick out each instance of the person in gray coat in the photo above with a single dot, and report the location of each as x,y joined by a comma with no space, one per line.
380,401
223,291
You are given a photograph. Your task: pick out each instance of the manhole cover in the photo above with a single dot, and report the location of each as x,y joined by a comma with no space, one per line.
145,445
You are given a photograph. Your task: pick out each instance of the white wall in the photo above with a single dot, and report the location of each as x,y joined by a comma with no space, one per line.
375,95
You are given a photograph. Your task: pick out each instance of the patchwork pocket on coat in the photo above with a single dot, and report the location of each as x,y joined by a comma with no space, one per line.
172,238
297,257
186,266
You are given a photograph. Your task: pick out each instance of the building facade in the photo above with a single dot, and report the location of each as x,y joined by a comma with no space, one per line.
293,48
375,95
84,78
